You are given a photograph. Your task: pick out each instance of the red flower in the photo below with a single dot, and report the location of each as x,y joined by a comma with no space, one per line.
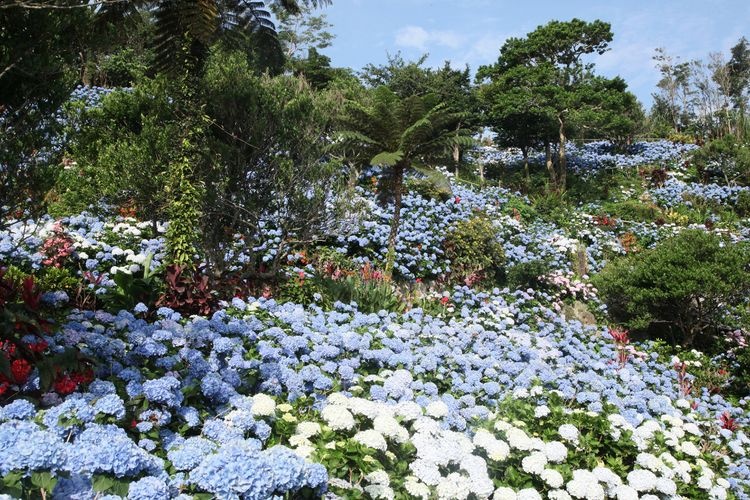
445,300
64,385
20,369
3,387
418,280
457,200
38,347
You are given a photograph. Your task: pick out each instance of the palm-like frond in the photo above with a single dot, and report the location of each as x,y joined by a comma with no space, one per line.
387,158
185,28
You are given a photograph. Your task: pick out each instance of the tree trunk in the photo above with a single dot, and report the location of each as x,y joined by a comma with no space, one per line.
526,173
550,164
456,157
562,161
398,186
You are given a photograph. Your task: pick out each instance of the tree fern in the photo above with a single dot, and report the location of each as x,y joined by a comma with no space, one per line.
399,134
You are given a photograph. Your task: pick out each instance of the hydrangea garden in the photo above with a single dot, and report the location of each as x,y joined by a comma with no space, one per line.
470,393
229,270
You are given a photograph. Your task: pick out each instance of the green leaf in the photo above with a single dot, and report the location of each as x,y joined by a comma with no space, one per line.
101,483
387,158
44,480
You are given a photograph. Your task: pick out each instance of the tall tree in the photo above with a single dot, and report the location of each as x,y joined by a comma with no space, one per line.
544,76
39,57
739,78
399,133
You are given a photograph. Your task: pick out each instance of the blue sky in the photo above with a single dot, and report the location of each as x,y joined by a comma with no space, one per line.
472,31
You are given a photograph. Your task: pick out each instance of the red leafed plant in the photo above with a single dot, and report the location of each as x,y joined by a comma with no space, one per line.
188,291
727,422
57,247
622,339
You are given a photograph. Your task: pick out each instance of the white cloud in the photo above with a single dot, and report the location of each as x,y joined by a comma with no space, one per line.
419,38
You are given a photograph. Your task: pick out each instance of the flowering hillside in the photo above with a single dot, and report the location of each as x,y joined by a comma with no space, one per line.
467,392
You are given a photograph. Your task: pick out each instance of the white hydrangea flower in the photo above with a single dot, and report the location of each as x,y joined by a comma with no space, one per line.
693,429
390,428
682,403
625,492
378,477
569,432
559,495
528,494
504,493
408,410
553,478
308,429
454,486
426,471
672,420
541,411
520,393
415,488
502,425
304,451
337,417
518,439
717,493
666,486
338,399
380,491
585,485
372,439
299,440
263,405
688,448
642,479
555,451
534,463
607,477
476,468
649,461
437,409
497,449
704,482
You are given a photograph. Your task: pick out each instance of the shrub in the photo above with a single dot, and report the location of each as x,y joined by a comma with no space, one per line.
474,250
187,291
725,159
428,189
742,205
528,275
633,210
684,284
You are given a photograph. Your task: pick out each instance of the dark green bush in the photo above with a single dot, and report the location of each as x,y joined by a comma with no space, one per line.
742,206
681,287
473,249
726,159
528,274
428,189
633,210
